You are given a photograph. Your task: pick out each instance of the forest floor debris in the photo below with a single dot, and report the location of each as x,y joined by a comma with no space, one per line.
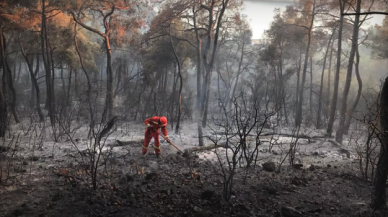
57,183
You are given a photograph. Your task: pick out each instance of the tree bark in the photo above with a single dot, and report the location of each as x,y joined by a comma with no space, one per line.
333,104
33,93
34,81
108,108
68,94
343,113
180,84
198,115
63,81
379,183
327,106
353,108
298,83
50,104
209,62
310,116
319,120
3,102
12,89
109,82
298,119
19,71
89,89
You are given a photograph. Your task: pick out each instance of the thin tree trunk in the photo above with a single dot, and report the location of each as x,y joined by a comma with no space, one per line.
239,71
63,81
279,87
10,84
180,85
299,110
76,85
165,107
379,200
311,91
68,94
343,113
138,102
33,80
47,65
333,104
209,62
33,92
13,93
89,89
199,80
318,126
19,71
353,108
3,102
14,66
327,106
109,82
298,83
108,109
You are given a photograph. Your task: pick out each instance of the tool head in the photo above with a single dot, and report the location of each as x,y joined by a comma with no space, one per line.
186,154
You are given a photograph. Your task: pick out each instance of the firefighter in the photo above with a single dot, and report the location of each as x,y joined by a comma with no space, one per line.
152,131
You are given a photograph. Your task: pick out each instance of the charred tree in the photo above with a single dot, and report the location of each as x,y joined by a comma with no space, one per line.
50,100
319,120
333,104
327,106
353,108
178,62
108,109
343,113
379,200
35,90
9,81
3,102
210,51
298,118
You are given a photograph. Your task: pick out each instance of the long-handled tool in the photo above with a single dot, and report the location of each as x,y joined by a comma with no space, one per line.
168,140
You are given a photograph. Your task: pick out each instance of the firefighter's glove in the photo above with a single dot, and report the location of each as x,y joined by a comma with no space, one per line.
167,139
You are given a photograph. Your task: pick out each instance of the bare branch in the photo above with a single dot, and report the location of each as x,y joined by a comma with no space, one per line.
366,13
86,26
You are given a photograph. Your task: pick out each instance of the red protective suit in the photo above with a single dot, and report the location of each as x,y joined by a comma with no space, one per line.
153,124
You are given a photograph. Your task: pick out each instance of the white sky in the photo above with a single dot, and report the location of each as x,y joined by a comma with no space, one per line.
260,14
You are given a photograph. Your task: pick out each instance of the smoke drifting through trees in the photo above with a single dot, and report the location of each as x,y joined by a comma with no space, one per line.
79,60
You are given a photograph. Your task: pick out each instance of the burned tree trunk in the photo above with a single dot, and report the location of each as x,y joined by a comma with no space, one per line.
353,108
180,85
34,81
343,114
319,122
12,89
3,102
298,118
50,101
379,200
333,104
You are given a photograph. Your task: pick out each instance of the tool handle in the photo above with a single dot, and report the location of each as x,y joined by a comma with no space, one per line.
168,140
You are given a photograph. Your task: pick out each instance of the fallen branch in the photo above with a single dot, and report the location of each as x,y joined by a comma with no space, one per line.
341,150
300,136
204,148
138,142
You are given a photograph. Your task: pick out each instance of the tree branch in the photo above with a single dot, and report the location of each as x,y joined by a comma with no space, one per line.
365,13
86,26
53,15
